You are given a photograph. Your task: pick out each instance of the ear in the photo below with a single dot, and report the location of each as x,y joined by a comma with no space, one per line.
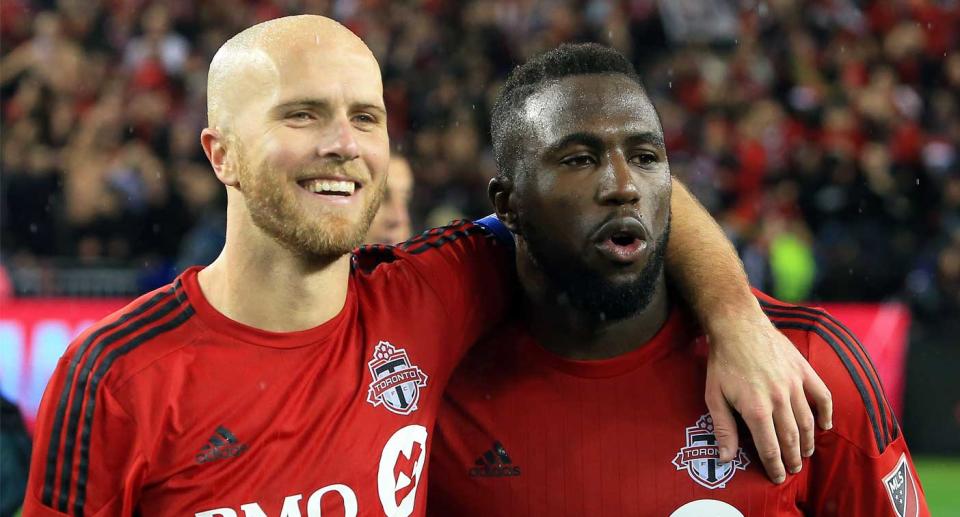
500,191
214,144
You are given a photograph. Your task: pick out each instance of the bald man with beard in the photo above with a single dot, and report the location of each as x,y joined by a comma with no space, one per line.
294,376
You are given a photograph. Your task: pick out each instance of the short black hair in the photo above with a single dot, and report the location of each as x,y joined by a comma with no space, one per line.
566,60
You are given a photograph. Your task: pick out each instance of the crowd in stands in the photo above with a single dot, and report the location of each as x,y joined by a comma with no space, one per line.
824,135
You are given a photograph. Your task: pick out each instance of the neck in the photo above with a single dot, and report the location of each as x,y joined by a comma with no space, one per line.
575,334
258,282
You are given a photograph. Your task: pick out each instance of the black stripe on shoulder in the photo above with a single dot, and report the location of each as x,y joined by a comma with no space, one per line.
437,237
55,435
894,425
82,390
890,426
419,239
445,235
845,347
84,465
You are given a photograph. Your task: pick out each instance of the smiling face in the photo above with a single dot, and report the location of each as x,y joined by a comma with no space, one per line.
592,195
306,134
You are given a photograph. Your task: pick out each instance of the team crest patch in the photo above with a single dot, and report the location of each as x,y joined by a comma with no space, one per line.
902,490
396,381
701,456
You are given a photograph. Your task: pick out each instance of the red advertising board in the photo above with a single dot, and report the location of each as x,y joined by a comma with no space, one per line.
35,332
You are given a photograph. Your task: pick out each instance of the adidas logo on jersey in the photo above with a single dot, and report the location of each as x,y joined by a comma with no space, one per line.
495,463
223,444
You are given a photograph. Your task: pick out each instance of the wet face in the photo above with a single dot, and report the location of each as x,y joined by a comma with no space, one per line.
392,223
311,147
592,197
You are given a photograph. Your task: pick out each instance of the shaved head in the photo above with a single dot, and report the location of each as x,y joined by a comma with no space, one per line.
250,61
297,132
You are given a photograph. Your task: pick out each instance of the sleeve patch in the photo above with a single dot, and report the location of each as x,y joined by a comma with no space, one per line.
902,489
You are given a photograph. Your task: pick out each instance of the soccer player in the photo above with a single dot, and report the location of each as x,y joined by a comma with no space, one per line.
590,403
294,377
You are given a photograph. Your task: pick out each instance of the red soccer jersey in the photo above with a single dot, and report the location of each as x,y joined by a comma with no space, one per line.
167,407
525,432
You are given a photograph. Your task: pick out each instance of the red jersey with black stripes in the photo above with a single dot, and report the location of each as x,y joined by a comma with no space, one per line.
523,431
168,407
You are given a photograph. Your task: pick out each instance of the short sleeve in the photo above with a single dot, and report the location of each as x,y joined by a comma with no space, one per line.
862,466
85,460
846,480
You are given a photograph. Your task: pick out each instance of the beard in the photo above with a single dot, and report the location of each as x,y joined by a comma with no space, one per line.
275,209
588,290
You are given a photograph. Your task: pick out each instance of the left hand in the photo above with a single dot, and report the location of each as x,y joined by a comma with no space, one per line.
757,371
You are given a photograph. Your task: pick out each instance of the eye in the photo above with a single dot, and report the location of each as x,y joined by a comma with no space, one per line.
645,159
365,118
579,161
301,116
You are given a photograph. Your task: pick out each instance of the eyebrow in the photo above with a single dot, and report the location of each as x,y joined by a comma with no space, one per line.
594,141
322,106
648,137
581,138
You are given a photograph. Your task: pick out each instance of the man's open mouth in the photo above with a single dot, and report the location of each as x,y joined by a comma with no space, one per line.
622,240
330,187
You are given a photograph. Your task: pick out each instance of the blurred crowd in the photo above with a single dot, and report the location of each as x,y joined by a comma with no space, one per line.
823,135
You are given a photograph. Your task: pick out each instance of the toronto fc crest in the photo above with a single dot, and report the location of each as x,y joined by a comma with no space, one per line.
396,381
700,457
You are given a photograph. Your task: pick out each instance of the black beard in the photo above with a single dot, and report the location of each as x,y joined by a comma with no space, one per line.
589,291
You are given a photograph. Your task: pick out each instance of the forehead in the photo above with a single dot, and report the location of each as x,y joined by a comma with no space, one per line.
594,103
317,72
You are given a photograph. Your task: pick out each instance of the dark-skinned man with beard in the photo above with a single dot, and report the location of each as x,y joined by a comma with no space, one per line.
591,403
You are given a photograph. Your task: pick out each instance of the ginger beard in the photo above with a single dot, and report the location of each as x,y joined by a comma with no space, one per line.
274,207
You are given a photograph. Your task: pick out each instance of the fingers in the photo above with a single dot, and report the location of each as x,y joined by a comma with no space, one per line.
805,422
788,436
724,427
765,438
818,392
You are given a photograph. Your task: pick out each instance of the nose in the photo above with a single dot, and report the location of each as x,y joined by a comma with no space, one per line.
338,142
617,187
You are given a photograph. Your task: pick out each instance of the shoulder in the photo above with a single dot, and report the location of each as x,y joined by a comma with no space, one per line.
437,244
131,338
861,412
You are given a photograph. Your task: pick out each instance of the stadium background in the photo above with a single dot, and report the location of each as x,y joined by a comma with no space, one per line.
823,135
